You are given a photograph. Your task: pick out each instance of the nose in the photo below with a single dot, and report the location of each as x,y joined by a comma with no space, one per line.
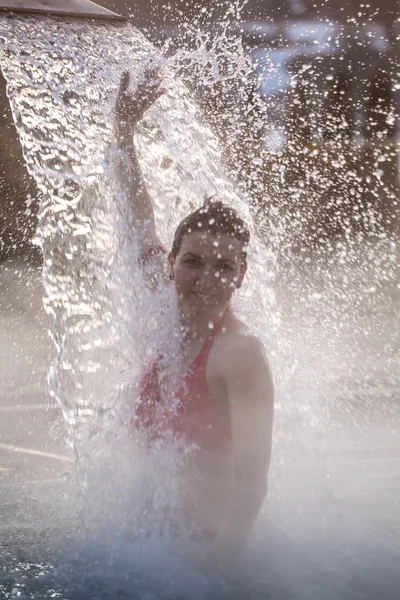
206,278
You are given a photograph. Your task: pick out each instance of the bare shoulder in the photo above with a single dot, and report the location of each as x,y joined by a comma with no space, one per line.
242,369
239,350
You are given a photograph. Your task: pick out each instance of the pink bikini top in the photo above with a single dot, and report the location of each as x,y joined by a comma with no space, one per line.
189,413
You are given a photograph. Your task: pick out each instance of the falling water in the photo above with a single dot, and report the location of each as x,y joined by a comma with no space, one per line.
323,322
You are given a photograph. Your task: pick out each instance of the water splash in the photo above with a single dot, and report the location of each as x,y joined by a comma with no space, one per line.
62,95
331,323
62,98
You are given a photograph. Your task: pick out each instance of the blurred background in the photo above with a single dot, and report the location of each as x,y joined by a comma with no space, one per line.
326,76
311,134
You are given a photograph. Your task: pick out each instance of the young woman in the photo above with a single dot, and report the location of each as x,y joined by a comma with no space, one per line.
225,399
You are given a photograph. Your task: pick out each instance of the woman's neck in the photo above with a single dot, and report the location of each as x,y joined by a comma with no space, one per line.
197,327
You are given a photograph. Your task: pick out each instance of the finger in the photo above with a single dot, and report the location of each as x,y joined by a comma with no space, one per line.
146,88
153,72
146,91
146,100
158,94
152,87
152,75
145,103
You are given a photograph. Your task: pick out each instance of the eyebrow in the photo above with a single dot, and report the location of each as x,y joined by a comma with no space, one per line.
193,254
200,257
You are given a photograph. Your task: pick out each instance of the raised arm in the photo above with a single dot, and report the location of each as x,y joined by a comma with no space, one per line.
129,109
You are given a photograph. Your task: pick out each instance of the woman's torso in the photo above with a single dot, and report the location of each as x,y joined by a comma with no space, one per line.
196,412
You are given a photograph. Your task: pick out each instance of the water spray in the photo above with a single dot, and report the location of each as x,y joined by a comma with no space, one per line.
62,77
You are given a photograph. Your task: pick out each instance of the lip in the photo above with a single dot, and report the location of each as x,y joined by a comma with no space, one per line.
202,294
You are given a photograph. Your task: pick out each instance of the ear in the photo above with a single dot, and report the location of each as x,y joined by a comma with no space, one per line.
171,262
243,270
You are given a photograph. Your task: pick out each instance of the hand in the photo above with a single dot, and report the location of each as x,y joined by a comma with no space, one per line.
131,106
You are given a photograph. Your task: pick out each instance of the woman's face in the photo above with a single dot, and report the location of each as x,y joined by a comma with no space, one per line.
206,271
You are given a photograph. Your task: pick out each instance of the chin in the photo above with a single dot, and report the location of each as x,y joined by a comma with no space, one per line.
193,305
197,304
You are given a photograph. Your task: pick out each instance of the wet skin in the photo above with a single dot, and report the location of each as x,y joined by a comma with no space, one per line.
225,492
206,272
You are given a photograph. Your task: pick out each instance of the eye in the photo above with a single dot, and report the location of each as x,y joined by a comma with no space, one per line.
191,262
226,267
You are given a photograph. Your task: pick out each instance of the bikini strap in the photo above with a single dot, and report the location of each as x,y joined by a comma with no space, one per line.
152,251
204,352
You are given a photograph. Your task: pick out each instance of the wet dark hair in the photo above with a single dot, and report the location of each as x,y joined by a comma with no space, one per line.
213,217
